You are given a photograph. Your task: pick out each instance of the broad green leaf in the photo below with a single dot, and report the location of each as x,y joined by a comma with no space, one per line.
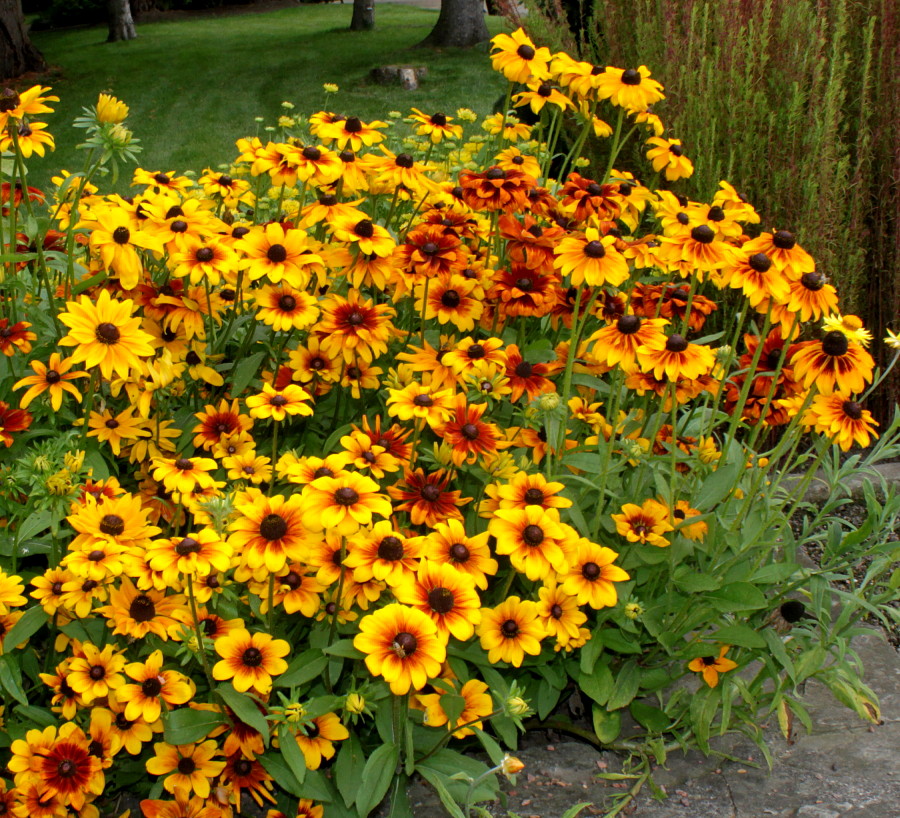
453,705
185,725
379,771
738,596
598,685
278,769
291,752
547,697
304,668
34,524
741,635
606,725
590,653
245,709
348,769
628,680
439,782
30,623
11,679
244,372
651,717
576,810
344,648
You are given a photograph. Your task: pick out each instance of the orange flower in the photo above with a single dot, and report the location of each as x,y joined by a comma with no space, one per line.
250,661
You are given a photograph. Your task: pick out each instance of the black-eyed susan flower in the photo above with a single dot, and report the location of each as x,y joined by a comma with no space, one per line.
105,334
617,343
781,246
195,554
184,474
591,575
629,88
559,613
534,539
469,353
834,364
116,429
268,531
436,127
96,672
54,378
674,358
496,189
839,417
687,523
154,685
402,645
468,436
451,298
189,768
277,404
284,307
12,420
711,666
250,660
11,587
516,57
511,630
277,253
121,520
478,705
591,259
135,612
668,155
316,739
646,523
448,543
379,552
446,595
426,498
16,337
342,503
354,327
417,402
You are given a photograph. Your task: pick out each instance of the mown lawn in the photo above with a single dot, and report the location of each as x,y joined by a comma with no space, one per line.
195,85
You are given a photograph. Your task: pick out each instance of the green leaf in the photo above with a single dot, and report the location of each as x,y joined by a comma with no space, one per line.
38,715
774,573
717,486
344,648
244,372
376,778
628,680
590,653
291,752
453,705
576,810
305,667
34,524
278,769
740,635
494,750
738,596
694,583
651,717
615,640
547,697
11,679
245,709
30,623
185,726
348,769
606,725
437,780
598,685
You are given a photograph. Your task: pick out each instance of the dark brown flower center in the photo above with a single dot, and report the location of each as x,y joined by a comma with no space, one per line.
835,344
187,546
524,369
423,400
107,333
287,303
276,253
510,629
475,351
556,611
709,660
205,254
355,318
97,672
151,687
121,235
186,766
784,240
322,471
179,226
676,150
631,76
278,400
112,423
495,173
122,723
312,153
792,610
441,600
96,555
404,160
142,608
676,343
526,52
524,284
760,262
390,549
112,525
458,552
273,527
184,464
470,431
703,233
813,281
594,249
590,571
431,493
852,409
451,299
532,535
161,178
66,768
353,125
346,496
439,119
404,644
252,657
628,324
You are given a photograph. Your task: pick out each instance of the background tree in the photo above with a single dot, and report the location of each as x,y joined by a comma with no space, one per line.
121,23
363,15
17,54
460,24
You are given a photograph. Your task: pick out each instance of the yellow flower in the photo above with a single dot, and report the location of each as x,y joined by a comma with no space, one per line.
111,110
250,660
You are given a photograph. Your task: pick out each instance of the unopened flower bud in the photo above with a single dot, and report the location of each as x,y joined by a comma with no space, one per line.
517,706
354,703
511,765
549,402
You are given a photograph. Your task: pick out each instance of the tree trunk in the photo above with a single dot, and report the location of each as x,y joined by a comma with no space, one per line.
460,24
121,23
363,15
17,54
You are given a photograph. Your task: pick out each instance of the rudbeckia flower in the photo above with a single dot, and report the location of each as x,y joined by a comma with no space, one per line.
629,88
250,661
95,673
591,575
674,358
277,404
188,768
842,419
534,539
645,523
711,666
269,531
342,503
53,378
833,364
436,127
668,155
477,704
446,595
591,259
511,630
106,334
402,645
516,57
142,700
316,739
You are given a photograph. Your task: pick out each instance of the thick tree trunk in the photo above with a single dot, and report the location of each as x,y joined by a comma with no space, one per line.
460,24
121,23
363,15
17,54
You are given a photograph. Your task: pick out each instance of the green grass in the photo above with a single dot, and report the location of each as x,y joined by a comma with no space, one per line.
195,85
